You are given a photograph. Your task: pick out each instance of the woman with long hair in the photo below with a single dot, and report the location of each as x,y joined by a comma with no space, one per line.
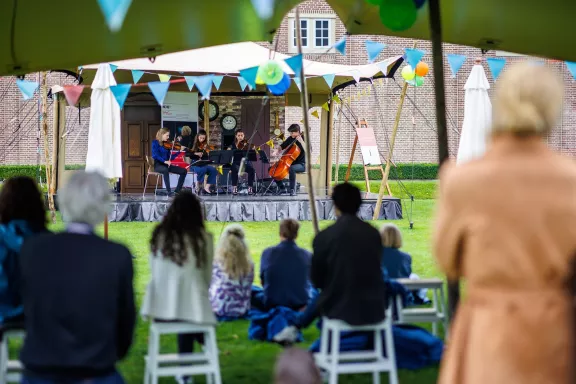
22,214
505,223
199,148
163,161
181,268
232,275
241,144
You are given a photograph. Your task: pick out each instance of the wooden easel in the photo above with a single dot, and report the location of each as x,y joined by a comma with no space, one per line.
364,124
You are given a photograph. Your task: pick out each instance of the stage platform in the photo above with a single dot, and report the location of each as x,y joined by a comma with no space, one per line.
223,208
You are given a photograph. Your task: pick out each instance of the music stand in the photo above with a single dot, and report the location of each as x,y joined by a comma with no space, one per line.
239,154
226,157
214,156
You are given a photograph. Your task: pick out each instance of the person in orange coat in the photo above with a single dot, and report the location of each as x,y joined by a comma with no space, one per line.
506,223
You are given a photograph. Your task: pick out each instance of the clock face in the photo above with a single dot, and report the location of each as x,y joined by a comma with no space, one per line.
213,110
277,132
228,122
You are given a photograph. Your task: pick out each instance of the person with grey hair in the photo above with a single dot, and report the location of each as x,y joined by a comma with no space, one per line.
77,291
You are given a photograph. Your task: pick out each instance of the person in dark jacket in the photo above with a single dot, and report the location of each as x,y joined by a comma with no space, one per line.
77,293
22,215
298,165
346,269
284,272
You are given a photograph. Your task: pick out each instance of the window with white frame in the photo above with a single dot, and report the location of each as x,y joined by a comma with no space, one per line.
317,34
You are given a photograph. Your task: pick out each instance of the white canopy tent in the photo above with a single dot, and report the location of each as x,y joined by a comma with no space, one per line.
477,116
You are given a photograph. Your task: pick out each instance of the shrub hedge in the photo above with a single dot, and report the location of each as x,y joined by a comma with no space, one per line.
7,171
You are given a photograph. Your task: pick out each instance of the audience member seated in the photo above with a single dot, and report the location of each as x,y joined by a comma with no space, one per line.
181,267
284,272
346,268
78,294
398,264
296,366
232,275
22,214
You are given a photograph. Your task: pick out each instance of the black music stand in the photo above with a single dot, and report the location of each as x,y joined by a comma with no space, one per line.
239,154
214,156
226,157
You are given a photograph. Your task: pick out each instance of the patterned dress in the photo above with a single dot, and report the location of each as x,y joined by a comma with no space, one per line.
230,297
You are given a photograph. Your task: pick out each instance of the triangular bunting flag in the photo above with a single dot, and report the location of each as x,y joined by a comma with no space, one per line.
164,78
496,64
189,82
249,74
114,12
243,83
373,49
336,99
159,90
217,80
204,85
383,67
72,93
340,46
413,56
329,79
137,75
571,68
113,68
356,75
326,107
120,93
295,64
315,114
455,62
27,88
298,83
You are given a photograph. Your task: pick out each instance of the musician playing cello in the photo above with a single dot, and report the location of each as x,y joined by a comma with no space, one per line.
241,144
299,165
200,149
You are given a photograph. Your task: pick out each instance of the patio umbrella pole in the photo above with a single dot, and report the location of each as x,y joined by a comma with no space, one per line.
436,35
308,150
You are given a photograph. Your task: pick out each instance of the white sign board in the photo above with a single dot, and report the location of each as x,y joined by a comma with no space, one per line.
369,147
180,106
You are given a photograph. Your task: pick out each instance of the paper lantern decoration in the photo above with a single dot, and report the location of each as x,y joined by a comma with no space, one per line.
259,80
271,72
407,73
280,88
421,69
398,15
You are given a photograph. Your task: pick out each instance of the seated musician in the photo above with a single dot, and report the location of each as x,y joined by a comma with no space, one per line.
200,150
185,139
162,161
241,144
299,165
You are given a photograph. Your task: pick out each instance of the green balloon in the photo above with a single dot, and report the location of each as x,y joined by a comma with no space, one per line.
418,81
398,15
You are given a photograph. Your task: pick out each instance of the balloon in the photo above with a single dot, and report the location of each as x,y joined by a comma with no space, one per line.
407,73
259,80
271,72
418,81
280,88
398,15
421,69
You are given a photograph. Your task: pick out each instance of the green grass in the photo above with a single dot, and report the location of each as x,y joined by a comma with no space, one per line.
420,189
244,361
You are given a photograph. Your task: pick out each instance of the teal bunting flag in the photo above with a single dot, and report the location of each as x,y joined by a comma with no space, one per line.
249,74
413,56
137,75
189,82
217,80
329,79
340,46
373,49
159,90
204,85
120,93
295,64
27,88
496,65
114,12
455,62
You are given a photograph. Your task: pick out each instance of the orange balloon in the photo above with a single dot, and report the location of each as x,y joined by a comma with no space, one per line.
421,69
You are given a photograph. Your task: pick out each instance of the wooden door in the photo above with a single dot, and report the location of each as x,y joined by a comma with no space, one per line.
251,108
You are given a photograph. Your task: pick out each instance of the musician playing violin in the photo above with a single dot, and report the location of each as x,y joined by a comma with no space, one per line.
162,161
299,165
240,143
200,150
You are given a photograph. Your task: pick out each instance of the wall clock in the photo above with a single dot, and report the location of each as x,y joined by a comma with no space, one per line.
228,122
277,132
213,110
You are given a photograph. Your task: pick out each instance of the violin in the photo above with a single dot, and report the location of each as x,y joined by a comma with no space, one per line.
205,147
243,145
169,144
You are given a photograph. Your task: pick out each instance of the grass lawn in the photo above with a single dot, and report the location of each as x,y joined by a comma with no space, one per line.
244,361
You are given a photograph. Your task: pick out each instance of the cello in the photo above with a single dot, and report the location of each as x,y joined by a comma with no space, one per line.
280,169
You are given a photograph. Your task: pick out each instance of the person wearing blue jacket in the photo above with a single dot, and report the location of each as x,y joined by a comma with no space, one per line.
22,214
162,162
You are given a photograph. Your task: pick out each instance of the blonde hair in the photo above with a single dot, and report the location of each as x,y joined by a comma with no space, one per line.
186,130
391,236
528,100
232,252
161,133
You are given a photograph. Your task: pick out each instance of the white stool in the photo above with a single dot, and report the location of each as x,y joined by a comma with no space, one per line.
161,365
10,370
335,362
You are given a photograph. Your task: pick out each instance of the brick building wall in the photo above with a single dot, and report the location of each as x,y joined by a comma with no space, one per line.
416,140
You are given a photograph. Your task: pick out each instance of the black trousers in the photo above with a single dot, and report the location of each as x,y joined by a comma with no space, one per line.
294,169
234,174
166,170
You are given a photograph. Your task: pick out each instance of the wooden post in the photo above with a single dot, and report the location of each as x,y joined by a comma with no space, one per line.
390,151
331,106
55,142
304,101
61,143
207,119
336,177
106,227
44,118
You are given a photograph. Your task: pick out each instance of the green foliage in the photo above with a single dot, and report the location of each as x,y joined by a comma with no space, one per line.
402,171
420,189
8,171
